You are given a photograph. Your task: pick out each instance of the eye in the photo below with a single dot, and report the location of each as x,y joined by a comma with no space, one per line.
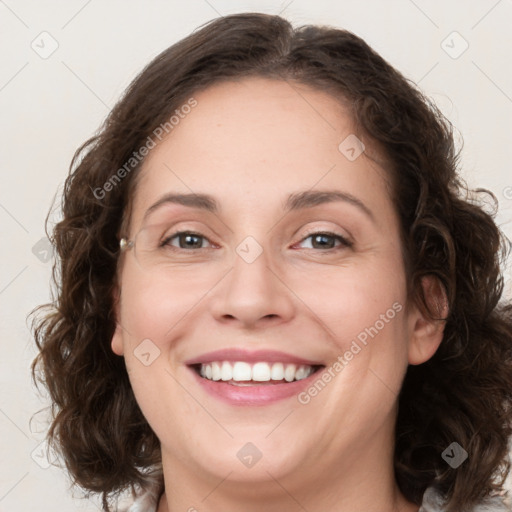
326,240
186,240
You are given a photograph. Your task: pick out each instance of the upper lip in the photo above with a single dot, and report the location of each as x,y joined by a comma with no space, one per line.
240,354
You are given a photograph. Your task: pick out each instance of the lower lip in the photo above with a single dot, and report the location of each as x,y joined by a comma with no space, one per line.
262,394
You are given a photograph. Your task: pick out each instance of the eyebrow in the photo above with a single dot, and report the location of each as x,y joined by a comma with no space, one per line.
295,201
310,198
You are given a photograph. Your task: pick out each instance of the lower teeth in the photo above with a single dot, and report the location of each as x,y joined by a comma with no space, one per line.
253,382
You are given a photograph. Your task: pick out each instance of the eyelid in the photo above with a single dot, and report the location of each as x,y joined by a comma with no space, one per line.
174,234
345,241
178,229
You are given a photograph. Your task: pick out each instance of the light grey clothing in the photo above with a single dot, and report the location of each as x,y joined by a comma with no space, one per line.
432,502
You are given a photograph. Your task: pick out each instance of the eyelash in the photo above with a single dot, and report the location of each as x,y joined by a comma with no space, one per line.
344,242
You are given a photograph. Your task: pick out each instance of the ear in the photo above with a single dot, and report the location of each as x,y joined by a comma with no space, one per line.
426,333
117,337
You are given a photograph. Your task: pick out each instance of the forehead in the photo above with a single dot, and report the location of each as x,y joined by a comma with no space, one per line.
257,139
256,118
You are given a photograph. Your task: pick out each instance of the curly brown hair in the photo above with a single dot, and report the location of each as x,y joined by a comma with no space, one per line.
462,394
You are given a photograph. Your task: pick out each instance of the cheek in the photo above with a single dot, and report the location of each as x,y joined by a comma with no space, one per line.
349,300
151,316
361,311
154,308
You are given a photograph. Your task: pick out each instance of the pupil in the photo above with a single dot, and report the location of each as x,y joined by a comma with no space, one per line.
189,238
323,238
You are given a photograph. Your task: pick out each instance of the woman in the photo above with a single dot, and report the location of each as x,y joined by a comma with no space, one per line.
273,293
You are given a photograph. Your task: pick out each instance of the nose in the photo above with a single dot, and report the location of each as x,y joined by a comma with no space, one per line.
253,295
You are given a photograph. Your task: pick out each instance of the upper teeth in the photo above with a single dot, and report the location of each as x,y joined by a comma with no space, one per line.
261,372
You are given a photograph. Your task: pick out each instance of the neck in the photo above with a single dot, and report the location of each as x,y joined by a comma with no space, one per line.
395,503
362,480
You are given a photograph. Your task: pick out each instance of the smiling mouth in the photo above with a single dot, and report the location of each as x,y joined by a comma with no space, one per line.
242,373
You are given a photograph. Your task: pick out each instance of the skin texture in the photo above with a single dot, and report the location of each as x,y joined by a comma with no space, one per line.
250,144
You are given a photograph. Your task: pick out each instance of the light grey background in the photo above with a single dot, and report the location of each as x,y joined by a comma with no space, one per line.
50,105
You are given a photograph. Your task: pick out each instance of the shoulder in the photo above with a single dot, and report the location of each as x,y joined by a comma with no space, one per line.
146,501
433,502
143,503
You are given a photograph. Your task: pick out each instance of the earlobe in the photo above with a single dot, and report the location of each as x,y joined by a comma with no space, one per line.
427,333
117,341
117,338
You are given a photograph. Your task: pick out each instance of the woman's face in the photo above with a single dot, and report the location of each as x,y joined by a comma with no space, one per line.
257,283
